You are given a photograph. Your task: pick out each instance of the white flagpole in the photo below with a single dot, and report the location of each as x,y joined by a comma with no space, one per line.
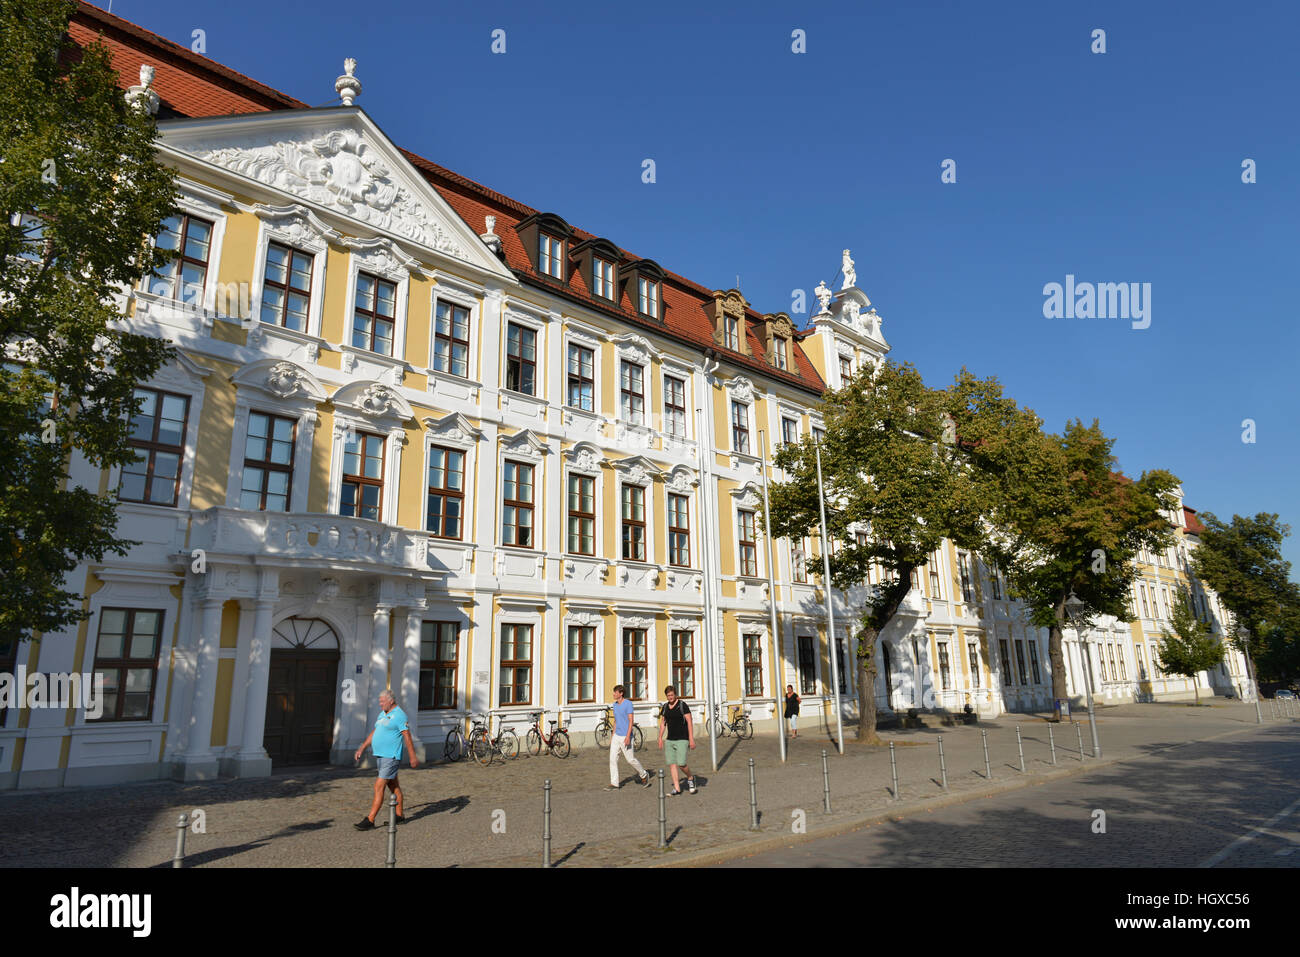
771,601
830,609
706,628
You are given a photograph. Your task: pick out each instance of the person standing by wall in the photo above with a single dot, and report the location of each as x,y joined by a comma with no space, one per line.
792,710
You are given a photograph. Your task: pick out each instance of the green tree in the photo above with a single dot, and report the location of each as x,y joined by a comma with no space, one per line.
1190,648
887,472
1066,521
1242,561
80,188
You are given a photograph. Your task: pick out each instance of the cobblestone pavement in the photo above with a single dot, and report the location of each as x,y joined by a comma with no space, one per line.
1227,802
464,815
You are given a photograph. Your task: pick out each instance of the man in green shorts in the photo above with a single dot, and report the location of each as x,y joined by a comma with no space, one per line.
675,719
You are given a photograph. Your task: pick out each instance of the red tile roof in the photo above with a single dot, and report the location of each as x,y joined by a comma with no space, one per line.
1194,524
194,86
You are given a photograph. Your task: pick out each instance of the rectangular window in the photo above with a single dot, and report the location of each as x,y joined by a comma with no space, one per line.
1123,665
995,582
798,565
1114,672
634,523
740,428
516,664
126,654
807,665
846,368
158,436
521,359
552,256
779,355
183,278
582,515
684,663
635,663
789,431
679,531
1141,663
1146,609
1020,662
1101,661
446,492
362,492
631,385
375,314
748,544
731,333
1008,678
934,576
439,656
963,565
1033,662
268,463
517,505
973,657
582,664
753,665
582,378
945,671
286,289
451,339
603,278
675,406
648,297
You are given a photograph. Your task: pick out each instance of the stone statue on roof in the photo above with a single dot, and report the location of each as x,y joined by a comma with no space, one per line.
850,276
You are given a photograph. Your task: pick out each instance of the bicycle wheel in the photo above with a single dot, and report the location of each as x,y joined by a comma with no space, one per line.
454,748
560,744
744,728
509,744
480,746
603,733
719,728
638,739
533,742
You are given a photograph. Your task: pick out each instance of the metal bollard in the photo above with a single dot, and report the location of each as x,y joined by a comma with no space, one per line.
546,823
826,784
1079,729
1020,746
1051,739
988,771
1092,726
663,811
753,799
392,831
943,768
893,767
182,826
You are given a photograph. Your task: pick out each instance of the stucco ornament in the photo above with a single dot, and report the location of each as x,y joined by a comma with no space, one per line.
850,275
283,380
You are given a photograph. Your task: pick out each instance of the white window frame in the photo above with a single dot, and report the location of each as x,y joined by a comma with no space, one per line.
583,616
386,261
474,306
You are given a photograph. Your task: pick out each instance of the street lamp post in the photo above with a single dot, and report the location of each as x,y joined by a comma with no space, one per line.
1074,609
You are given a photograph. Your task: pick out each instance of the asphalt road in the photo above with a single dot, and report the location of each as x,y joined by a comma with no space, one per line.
1222,803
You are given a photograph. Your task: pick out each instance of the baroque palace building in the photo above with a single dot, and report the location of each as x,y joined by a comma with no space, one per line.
421,436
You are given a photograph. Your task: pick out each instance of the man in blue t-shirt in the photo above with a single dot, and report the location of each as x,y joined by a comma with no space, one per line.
621,742
386,740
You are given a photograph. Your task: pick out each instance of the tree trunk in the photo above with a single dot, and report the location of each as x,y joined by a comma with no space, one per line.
867,686
1196,693
1056,655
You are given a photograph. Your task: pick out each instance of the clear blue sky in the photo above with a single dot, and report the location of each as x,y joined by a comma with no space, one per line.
1115,167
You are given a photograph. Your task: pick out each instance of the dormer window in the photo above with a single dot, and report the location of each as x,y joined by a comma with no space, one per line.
780,356
731,333
551,256
603,278
648,297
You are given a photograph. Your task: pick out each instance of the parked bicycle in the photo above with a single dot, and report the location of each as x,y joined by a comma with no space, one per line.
738,724
481,744
557,742
605,731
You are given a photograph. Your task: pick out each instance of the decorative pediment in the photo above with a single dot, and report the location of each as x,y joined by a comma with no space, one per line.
296,225
182,371
747,496
374,400
682,479
337,160
635,348
282,379
741,389
781,325
584,457
525,443
638,470
452,429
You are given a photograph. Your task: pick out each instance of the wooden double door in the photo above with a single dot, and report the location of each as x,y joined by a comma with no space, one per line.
300,706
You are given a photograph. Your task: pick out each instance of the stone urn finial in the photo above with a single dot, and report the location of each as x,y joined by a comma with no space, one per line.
348,87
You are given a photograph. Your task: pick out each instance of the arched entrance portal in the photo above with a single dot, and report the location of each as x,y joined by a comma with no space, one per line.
301,692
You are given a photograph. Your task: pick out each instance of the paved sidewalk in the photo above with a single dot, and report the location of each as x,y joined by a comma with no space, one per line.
464,815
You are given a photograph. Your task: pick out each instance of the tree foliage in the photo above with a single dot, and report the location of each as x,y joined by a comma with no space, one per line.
80,189
1190,648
